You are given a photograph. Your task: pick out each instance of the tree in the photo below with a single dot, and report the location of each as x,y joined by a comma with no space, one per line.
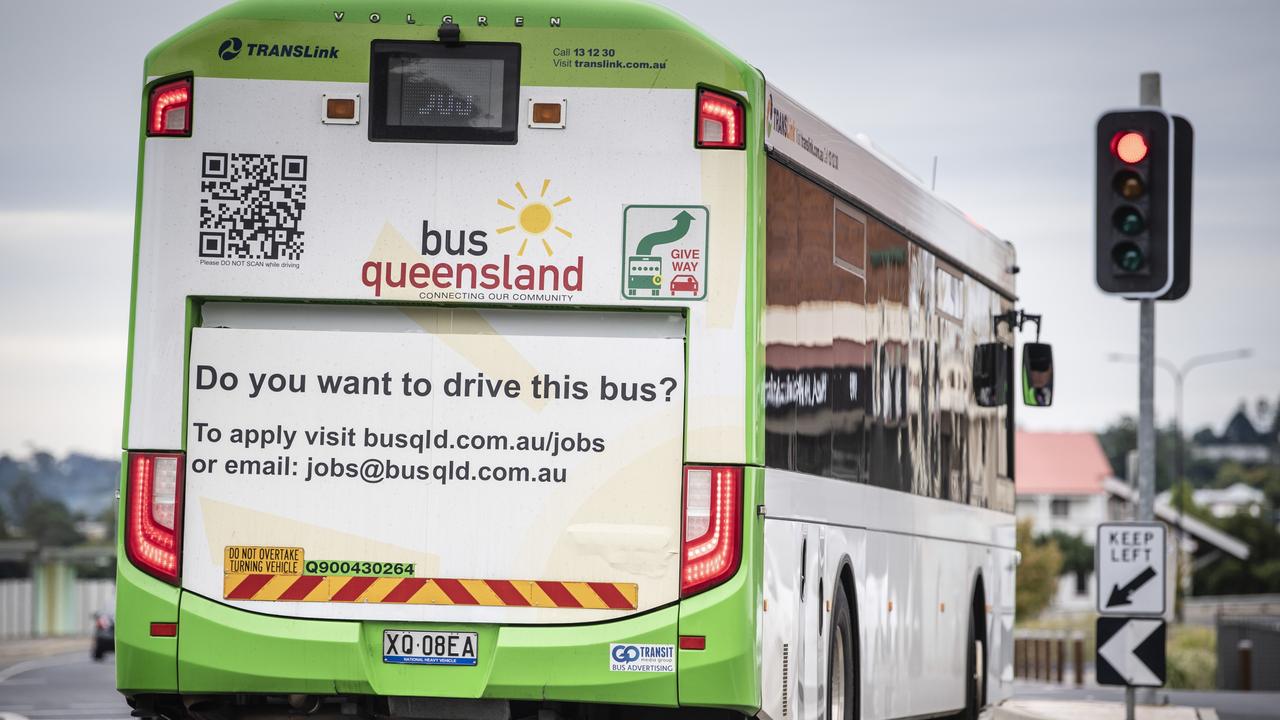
1077,555
1037,574
39,518
49,523
1260,573
108,518
22,494
1121,436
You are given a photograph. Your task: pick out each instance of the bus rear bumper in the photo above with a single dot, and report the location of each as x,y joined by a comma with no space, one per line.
224,650
326,657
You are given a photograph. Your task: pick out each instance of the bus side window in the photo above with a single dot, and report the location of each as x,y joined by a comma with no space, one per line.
782,351
888,286
813,284
991,374
849,377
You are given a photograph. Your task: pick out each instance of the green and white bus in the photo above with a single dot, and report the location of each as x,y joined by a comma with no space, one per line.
510,359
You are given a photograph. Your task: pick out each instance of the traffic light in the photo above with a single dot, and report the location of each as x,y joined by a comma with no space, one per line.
1135,220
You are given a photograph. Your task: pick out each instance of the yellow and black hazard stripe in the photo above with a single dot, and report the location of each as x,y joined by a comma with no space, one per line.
430,591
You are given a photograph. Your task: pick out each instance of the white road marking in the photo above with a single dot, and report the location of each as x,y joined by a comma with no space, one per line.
53,661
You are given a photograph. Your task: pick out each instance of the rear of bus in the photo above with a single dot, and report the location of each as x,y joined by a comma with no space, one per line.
439,394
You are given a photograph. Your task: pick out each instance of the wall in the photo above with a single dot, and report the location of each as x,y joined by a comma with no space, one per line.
48,607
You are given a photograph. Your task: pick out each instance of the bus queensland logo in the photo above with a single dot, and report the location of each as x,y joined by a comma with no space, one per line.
529,257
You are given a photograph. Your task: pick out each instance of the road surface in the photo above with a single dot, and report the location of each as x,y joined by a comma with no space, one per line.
62,687
1230,705
71,686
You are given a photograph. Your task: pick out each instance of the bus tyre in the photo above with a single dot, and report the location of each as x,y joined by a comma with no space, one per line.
974,673
842,663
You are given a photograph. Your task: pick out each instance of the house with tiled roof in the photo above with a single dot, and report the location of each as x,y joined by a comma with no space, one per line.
1059,478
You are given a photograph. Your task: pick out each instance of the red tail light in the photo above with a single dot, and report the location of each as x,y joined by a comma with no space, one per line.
153,514
721,121
169,109
712,527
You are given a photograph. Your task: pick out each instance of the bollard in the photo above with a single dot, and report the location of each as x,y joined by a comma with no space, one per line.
1046,658
1061,644
1036,659
1019,656
1244,650
1077,657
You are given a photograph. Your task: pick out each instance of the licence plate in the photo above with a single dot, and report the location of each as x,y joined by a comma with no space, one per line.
416,647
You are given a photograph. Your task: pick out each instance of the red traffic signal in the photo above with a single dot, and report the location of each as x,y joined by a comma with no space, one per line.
1130,146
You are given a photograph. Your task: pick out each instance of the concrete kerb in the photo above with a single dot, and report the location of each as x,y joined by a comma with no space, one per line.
1073,709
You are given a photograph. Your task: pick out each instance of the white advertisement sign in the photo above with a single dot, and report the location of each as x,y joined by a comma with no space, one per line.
433,475
1131,568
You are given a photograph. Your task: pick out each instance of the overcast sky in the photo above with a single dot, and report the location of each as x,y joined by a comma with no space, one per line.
1005,94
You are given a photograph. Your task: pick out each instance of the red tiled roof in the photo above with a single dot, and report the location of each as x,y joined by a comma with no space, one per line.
1060,463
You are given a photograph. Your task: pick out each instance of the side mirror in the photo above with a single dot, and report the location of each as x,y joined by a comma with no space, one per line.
991,374
1037,374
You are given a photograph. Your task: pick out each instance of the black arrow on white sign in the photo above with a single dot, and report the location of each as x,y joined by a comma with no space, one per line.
1131,651
1121,595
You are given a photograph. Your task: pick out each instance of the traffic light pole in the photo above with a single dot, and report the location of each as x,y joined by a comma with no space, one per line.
1146,410
1149,96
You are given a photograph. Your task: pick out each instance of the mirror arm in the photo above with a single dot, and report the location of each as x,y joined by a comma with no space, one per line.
1015,319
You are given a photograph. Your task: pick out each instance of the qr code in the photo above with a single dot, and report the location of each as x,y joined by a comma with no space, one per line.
251,206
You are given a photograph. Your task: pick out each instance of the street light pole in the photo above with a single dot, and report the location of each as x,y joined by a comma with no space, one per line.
1179,375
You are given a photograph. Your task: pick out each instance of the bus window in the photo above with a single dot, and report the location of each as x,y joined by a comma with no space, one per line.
849,381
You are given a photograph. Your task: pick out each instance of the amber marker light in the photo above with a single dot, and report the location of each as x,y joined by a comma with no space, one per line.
340,109
547,113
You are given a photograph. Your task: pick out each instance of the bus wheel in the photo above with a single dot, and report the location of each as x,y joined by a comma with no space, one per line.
842,663
974,671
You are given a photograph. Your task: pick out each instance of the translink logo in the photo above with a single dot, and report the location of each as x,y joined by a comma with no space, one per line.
231,47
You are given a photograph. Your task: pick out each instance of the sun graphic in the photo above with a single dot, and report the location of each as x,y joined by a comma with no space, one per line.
536,217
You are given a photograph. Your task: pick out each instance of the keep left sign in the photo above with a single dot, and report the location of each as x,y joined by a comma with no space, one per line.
1131,565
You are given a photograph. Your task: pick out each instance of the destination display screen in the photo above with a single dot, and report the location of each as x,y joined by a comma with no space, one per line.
438,92
441,92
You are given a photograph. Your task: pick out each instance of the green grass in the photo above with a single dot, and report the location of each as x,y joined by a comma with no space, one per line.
1192,657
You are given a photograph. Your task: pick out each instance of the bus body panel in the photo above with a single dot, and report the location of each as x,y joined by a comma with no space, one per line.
913,591
878,457
369,205
534,663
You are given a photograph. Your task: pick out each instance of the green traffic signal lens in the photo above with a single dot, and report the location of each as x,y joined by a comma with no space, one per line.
1128,257
1129,185
1128,221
